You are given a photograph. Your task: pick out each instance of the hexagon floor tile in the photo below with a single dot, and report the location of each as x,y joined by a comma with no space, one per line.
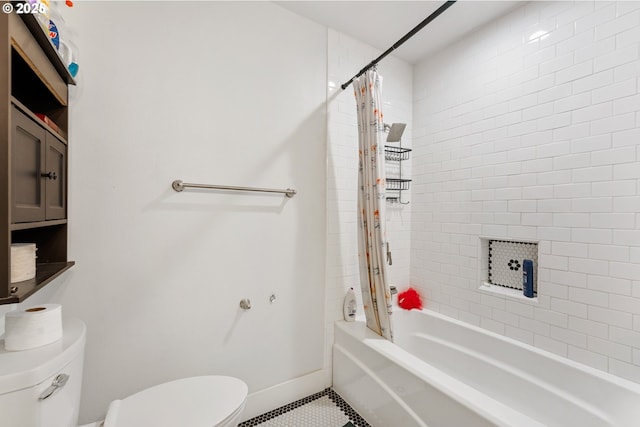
323,409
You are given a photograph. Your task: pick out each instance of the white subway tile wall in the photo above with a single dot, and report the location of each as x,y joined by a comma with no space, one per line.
530,129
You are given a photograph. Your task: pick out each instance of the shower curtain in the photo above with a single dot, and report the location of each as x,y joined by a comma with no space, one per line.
376,295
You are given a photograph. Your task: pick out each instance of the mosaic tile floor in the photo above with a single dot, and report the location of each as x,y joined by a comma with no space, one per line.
323,409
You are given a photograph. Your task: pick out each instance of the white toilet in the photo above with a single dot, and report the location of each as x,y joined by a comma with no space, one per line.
41,388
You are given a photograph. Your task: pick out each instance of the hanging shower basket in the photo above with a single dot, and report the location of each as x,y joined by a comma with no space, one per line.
396,154
397,184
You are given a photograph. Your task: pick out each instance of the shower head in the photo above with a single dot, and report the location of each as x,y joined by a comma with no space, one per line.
395,131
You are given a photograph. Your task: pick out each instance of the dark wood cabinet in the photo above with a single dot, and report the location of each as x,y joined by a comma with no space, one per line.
55,176
27,160
33,153
39,171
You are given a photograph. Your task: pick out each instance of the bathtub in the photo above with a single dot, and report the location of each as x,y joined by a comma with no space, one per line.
441,372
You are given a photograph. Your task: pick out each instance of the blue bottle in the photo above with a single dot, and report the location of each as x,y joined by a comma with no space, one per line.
527,278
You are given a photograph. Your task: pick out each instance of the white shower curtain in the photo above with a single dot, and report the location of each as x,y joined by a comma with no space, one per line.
376,296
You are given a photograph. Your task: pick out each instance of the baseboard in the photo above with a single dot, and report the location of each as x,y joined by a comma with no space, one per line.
270,398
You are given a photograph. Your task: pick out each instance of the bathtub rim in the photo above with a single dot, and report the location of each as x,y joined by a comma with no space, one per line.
606,376
484,406
448,384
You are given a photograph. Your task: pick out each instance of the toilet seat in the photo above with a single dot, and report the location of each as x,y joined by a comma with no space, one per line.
189,402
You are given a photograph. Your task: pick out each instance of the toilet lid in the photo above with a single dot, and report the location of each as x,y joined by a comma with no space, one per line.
193,402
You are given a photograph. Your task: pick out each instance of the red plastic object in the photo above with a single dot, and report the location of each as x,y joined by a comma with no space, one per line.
410,299
48,121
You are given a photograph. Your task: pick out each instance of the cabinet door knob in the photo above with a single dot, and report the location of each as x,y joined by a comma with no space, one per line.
50,175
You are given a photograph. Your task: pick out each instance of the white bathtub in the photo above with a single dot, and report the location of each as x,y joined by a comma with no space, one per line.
444,373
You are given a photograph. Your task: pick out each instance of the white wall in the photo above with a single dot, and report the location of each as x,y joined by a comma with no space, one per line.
346,57
159,275
536,140
206,92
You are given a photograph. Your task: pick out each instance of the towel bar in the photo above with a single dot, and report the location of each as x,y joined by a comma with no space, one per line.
179,186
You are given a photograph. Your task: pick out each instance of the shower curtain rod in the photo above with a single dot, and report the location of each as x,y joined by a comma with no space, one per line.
397,44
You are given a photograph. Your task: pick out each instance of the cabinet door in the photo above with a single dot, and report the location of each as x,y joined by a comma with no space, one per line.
55,175
27,164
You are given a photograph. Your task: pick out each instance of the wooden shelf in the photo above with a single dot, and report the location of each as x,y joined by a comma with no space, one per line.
45,273
39,224
60,134
47,46
34,79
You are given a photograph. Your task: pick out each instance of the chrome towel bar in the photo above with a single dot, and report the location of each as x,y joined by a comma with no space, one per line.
179,186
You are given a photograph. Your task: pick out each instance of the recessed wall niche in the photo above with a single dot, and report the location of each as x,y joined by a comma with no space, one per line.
502,265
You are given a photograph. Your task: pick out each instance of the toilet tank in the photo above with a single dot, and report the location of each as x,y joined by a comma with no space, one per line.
26,377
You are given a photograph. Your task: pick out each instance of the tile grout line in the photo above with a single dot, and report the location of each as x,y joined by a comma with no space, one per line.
346,408
335,398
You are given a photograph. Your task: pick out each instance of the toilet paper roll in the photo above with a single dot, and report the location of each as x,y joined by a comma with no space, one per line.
33,327
23,261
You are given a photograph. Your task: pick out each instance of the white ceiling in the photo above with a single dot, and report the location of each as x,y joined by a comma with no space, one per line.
382,23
